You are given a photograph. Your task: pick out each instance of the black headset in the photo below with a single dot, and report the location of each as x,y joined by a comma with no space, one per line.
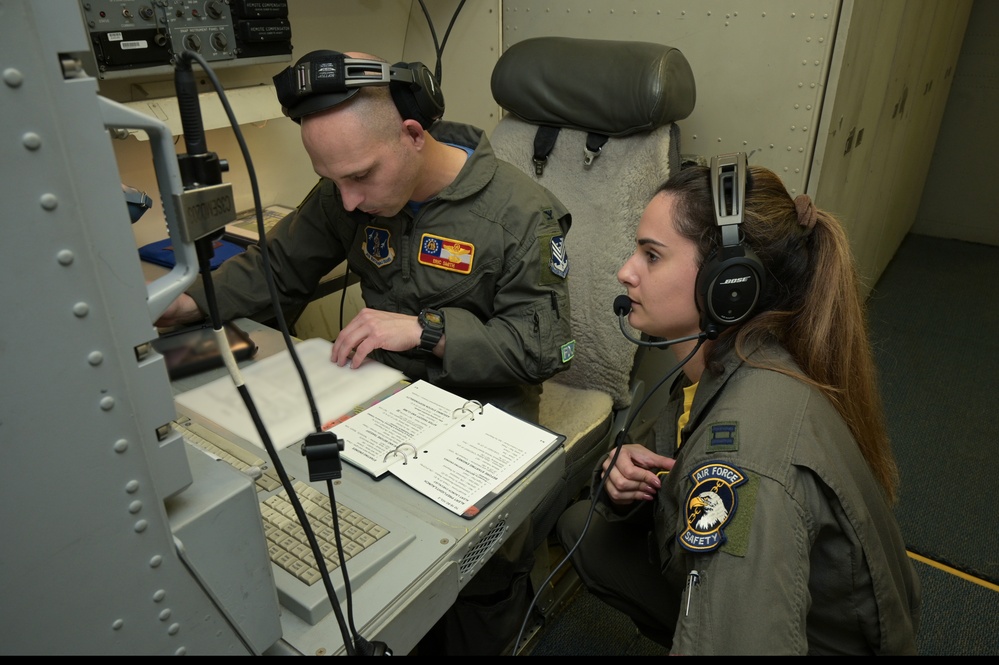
731,279
322,79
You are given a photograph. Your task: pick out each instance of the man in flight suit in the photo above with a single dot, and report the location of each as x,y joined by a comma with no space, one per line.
462,267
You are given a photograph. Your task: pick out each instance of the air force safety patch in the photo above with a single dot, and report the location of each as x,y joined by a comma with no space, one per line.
710,506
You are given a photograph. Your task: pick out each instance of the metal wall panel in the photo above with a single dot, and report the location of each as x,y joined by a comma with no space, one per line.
760,68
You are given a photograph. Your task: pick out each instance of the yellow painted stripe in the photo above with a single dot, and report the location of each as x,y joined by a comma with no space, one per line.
953,571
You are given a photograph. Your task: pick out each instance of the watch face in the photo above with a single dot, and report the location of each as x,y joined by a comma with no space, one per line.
433,319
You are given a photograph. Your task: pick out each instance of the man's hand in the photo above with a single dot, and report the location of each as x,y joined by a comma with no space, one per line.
181,311
374,329
633,477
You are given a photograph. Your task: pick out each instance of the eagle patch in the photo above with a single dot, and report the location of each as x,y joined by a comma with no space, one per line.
710,505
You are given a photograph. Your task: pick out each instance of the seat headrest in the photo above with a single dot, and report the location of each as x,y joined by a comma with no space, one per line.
604,86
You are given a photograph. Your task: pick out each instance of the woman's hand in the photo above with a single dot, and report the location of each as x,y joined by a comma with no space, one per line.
634,475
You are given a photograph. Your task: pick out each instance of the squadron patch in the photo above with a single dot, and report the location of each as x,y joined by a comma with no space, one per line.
554,257
560,260
710,506
446,253
376,246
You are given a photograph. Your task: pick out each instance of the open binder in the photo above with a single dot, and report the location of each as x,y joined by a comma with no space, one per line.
459,453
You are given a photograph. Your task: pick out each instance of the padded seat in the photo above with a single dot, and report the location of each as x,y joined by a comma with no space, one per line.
594,122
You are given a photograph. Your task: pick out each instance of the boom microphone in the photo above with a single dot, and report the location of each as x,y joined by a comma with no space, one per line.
622,306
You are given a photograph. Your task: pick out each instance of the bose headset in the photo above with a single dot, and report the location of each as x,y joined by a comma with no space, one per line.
322,79
731,280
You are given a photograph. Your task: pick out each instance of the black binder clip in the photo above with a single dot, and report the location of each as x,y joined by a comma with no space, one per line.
322,450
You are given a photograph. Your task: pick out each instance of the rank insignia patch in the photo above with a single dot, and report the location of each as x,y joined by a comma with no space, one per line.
376,246
710,505
724,436
446,254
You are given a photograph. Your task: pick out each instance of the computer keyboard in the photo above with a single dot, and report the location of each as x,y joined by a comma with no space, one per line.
297,575
289,546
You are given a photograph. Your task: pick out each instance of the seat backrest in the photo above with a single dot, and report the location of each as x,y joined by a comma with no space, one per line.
594,122
628,94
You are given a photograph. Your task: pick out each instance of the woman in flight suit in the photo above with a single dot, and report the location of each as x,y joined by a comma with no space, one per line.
759,519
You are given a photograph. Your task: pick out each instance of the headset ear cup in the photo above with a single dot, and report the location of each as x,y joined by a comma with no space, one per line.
728,291
421,99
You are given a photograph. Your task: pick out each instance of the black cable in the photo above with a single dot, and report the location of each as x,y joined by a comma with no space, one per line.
439,48
343,293
447,33
348,641
433,34
618,443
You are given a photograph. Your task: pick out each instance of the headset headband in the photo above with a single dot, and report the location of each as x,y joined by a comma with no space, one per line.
728,188
334,73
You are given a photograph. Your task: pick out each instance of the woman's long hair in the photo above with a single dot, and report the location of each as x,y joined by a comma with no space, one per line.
811,304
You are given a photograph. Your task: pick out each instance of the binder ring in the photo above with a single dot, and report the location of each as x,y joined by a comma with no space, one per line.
476,407
398,452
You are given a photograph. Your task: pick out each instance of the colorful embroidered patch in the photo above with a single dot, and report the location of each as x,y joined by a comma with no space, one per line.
568,351
710,505
559,263
724,437
446,253
376,246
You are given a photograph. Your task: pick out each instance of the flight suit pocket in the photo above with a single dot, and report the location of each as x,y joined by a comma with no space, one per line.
554,346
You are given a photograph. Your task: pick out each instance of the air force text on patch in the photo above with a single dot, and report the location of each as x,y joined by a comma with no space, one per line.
710,505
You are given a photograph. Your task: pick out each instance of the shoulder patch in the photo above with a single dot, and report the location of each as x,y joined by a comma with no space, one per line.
710,506
554,259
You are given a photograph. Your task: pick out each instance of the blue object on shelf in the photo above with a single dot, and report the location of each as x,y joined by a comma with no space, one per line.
161,252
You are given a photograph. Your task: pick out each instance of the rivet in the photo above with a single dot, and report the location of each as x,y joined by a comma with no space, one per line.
120,446
156,561
49,201
141,526
95,358
135,507
81,309
65,257
13,77
107,403
132,486
31,141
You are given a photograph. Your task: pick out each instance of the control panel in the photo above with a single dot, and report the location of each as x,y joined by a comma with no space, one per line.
128,37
